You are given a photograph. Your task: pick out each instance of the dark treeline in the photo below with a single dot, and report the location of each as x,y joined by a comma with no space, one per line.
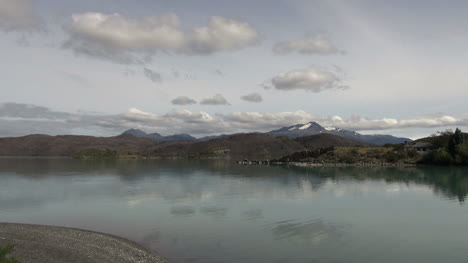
453,150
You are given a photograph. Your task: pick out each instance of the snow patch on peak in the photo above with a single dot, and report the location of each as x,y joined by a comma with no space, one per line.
330,128
303,127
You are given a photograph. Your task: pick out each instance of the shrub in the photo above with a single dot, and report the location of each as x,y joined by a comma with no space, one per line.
462,154
438,157
412,154
392,157
5,256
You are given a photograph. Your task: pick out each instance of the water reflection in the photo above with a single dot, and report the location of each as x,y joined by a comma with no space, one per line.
215,211
253,214
448,182
182,211
316,231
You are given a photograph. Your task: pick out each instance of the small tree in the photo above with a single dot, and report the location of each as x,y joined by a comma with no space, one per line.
452,146
458,137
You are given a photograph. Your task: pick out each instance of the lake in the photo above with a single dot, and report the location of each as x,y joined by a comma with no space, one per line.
212,211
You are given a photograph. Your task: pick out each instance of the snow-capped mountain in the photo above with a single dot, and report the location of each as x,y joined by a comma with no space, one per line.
313,128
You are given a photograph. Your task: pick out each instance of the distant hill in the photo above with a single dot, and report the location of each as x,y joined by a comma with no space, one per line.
158,137
325,140
260,146
313,128
68,145
242,146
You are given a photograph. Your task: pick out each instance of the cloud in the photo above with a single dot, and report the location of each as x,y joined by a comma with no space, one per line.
312,45
183,100
309,79
360,123
252,97
217,99
134,40
29,111
21,119
152,75
222,34
19,15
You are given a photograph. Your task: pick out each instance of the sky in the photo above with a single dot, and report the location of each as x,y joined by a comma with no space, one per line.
99,67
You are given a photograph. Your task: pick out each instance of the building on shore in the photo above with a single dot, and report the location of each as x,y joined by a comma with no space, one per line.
420,147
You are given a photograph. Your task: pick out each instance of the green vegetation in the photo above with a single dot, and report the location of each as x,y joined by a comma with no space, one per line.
356,154
5,256
96,153
454,150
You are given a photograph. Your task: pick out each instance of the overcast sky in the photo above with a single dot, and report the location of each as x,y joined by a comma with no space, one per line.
203,67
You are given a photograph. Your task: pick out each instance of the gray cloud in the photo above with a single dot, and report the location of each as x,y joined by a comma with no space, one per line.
134,40
221,34
22,41
183,100
308,46
217,99
19,15
21,119
29,111
77,78
309,79
152,75
253,97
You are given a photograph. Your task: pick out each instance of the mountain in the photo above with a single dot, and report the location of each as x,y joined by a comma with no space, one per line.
313,128
207,138
178,137
158,137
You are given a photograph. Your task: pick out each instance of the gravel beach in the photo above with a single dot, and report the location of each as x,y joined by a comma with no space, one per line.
50,244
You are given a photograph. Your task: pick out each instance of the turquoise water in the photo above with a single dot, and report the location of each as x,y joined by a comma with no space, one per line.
223,212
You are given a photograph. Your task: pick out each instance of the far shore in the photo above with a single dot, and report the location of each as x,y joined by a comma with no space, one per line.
52,244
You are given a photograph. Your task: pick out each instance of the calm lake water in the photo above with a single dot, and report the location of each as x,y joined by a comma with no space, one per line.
222,212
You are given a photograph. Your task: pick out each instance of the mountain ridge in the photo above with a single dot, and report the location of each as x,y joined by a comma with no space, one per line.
158,137
292,132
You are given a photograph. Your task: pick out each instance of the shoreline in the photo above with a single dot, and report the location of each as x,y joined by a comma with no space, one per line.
317,164
363,165
42,243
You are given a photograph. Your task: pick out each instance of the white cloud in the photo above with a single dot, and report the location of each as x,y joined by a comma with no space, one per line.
311,45
310,79
135,40
18,15
217,99
253,97
183,100
267,120
21,119
356,122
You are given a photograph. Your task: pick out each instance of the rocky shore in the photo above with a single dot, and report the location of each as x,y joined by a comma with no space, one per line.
50,244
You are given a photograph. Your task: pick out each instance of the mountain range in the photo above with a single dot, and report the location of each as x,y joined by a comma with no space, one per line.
158,137
294,131
313,128
134,142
